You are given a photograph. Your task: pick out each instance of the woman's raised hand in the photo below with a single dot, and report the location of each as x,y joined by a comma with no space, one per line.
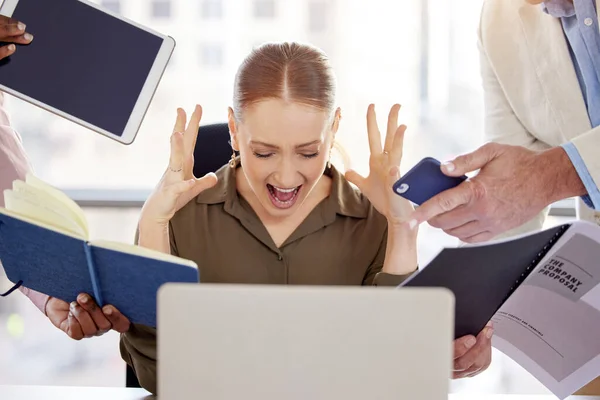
178,184
384,165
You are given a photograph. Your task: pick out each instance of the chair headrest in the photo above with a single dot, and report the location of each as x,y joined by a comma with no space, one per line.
213,148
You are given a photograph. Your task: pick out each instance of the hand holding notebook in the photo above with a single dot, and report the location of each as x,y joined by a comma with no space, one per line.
83,318
542,293
45,246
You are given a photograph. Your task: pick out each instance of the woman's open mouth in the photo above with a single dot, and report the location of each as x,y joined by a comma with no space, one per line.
283,198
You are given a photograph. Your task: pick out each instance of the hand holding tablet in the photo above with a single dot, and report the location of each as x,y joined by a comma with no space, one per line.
86,64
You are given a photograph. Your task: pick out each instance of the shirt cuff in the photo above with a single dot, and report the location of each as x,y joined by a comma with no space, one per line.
37,298
384,279
592,199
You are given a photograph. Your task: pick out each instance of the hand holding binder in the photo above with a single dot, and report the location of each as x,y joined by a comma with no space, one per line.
45,246
542,293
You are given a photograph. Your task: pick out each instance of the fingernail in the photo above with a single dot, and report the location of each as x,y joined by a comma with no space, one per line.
21,26
108,311
84,299
449,166
11,47
489,333
28,37
73,304
412,224
470,342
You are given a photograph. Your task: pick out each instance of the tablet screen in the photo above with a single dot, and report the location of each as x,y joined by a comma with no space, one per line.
82,61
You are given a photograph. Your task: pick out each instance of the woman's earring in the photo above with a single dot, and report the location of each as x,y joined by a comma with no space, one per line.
329,160
232,162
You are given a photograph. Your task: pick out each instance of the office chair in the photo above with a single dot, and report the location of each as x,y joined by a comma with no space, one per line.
212,151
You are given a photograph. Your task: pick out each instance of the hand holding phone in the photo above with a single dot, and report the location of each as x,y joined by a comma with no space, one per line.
424,181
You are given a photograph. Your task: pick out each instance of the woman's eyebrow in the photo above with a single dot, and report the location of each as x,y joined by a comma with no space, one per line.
272,146
308,144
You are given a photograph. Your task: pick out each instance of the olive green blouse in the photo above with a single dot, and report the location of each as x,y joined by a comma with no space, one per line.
341,242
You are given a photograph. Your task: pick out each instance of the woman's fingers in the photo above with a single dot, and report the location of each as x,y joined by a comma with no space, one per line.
392,126
393,176
397,146
178,188
206,182
180,121
177,154
191,133
356,179
373,131
195,185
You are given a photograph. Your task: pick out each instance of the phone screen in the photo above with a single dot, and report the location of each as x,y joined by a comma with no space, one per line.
82,61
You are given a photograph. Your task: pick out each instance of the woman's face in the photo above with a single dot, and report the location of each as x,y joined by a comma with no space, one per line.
284,148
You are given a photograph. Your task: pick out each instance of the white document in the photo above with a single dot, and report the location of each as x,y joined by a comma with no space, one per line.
550,325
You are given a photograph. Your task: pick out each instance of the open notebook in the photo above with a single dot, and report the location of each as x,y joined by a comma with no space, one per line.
45,246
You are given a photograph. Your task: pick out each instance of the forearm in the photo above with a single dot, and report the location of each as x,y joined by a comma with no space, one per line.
154,236
401,251
559,176
14,164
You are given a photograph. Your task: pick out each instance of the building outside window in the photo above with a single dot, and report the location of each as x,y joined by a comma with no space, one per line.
317,16
264,8
161,8
212,9
211,55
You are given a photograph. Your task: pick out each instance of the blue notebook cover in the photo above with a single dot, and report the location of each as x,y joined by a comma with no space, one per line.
63,266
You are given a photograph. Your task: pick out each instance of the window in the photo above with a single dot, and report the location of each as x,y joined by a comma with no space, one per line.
264,8
161,8
212,9
317,16
211,55
112,5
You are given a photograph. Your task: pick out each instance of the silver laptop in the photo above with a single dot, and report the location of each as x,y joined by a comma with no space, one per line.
257,342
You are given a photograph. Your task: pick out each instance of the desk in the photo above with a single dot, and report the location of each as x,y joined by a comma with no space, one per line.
71,393
92,393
